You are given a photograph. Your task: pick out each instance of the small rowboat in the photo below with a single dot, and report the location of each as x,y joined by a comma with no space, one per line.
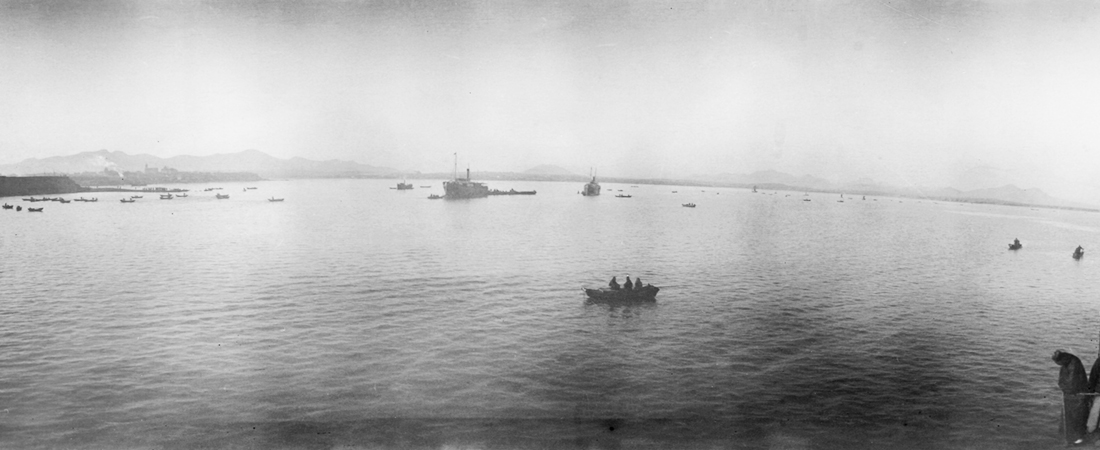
688,205
127,200
7,206
34,209
646,294
273,199
221,197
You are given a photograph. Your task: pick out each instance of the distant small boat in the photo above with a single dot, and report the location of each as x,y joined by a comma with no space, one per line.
166,196
63,201
675,192
221,197
428,186
622,196
403,186
805,199
434,197
124,200
7,206
182,195
688,205
34,209
273,199
250,188
1077,254
1015,246
135,196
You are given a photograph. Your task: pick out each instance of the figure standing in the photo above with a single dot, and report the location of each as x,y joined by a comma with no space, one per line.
1075,408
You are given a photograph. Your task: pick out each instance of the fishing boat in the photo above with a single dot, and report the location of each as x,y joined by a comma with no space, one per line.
34,209
623,196
273,199
435,197
1015,246
403,186
7,206
135,196
181,195
221,197
63,201
127,200
1077,254
166,196
688,205
645,294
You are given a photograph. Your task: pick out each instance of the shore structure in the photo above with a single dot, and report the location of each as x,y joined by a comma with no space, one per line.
38,185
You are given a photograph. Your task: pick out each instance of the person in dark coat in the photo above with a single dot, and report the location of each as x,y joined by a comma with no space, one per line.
1075,408
638,284
628,285
613,284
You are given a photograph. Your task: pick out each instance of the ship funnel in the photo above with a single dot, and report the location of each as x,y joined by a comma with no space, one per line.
467,174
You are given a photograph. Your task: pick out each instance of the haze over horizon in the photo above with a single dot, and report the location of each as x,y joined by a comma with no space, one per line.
906,93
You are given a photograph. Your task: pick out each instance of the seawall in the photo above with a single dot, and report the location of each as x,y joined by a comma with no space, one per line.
17,186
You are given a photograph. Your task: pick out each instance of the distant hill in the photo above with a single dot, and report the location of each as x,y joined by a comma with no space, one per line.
252,161
547,169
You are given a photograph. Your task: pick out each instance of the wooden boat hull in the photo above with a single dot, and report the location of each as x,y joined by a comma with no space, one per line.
646,294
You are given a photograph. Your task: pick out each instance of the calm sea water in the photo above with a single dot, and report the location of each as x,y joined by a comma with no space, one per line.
357,316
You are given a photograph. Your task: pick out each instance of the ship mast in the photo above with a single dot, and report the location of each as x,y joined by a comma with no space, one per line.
456,166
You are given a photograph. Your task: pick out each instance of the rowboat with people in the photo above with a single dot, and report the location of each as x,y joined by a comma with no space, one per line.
648,293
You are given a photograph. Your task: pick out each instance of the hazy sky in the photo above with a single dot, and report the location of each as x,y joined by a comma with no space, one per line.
916,92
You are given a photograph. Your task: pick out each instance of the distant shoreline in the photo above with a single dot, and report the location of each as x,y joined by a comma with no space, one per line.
38,188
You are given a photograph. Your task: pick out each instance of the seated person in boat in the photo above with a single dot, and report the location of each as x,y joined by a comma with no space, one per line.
628,285
1079,250
613,284
1016,242
638,284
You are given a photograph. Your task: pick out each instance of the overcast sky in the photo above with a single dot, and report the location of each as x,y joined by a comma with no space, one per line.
909,93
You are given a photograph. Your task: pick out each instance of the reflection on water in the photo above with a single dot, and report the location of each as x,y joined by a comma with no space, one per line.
352,315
